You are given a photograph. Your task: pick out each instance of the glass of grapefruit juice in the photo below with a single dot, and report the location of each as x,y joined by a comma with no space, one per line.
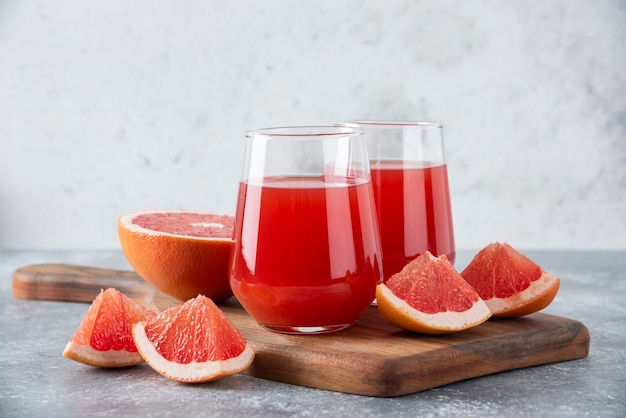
307,254
410,180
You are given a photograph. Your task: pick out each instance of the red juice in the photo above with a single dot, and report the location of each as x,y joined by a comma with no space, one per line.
307,253
414,212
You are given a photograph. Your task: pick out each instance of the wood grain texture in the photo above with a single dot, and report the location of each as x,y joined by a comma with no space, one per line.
74,283
371,358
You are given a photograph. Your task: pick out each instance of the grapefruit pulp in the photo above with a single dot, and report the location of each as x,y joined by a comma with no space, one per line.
193,342
181,253
429,296
510,283
104,337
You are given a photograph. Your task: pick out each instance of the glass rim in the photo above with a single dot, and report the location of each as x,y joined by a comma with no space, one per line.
306,131
388,123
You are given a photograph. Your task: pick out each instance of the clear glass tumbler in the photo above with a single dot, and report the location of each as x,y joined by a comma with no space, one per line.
410,179
307,254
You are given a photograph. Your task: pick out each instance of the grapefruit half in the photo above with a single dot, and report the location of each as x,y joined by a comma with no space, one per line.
181,253
429,296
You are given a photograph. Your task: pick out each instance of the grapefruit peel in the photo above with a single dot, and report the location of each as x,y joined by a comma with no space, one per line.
92,357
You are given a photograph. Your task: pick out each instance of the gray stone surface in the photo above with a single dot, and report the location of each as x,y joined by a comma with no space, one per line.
36,381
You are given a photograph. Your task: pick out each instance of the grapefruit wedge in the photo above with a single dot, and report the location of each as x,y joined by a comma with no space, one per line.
181,253
193,342
510,283
429,296
104,337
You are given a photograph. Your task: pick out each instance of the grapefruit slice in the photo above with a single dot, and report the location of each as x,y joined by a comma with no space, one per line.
104,337
181,253
429,296
193,342
510,283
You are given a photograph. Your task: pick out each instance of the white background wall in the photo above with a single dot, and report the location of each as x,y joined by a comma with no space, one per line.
113,106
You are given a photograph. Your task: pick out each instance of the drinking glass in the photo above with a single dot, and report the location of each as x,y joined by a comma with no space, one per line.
307,254
410,179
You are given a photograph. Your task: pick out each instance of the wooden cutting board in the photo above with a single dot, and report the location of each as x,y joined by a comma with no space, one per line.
371,358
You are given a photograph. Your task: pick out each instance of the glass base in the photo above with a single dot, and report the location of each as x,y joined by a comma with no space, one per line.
282,329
